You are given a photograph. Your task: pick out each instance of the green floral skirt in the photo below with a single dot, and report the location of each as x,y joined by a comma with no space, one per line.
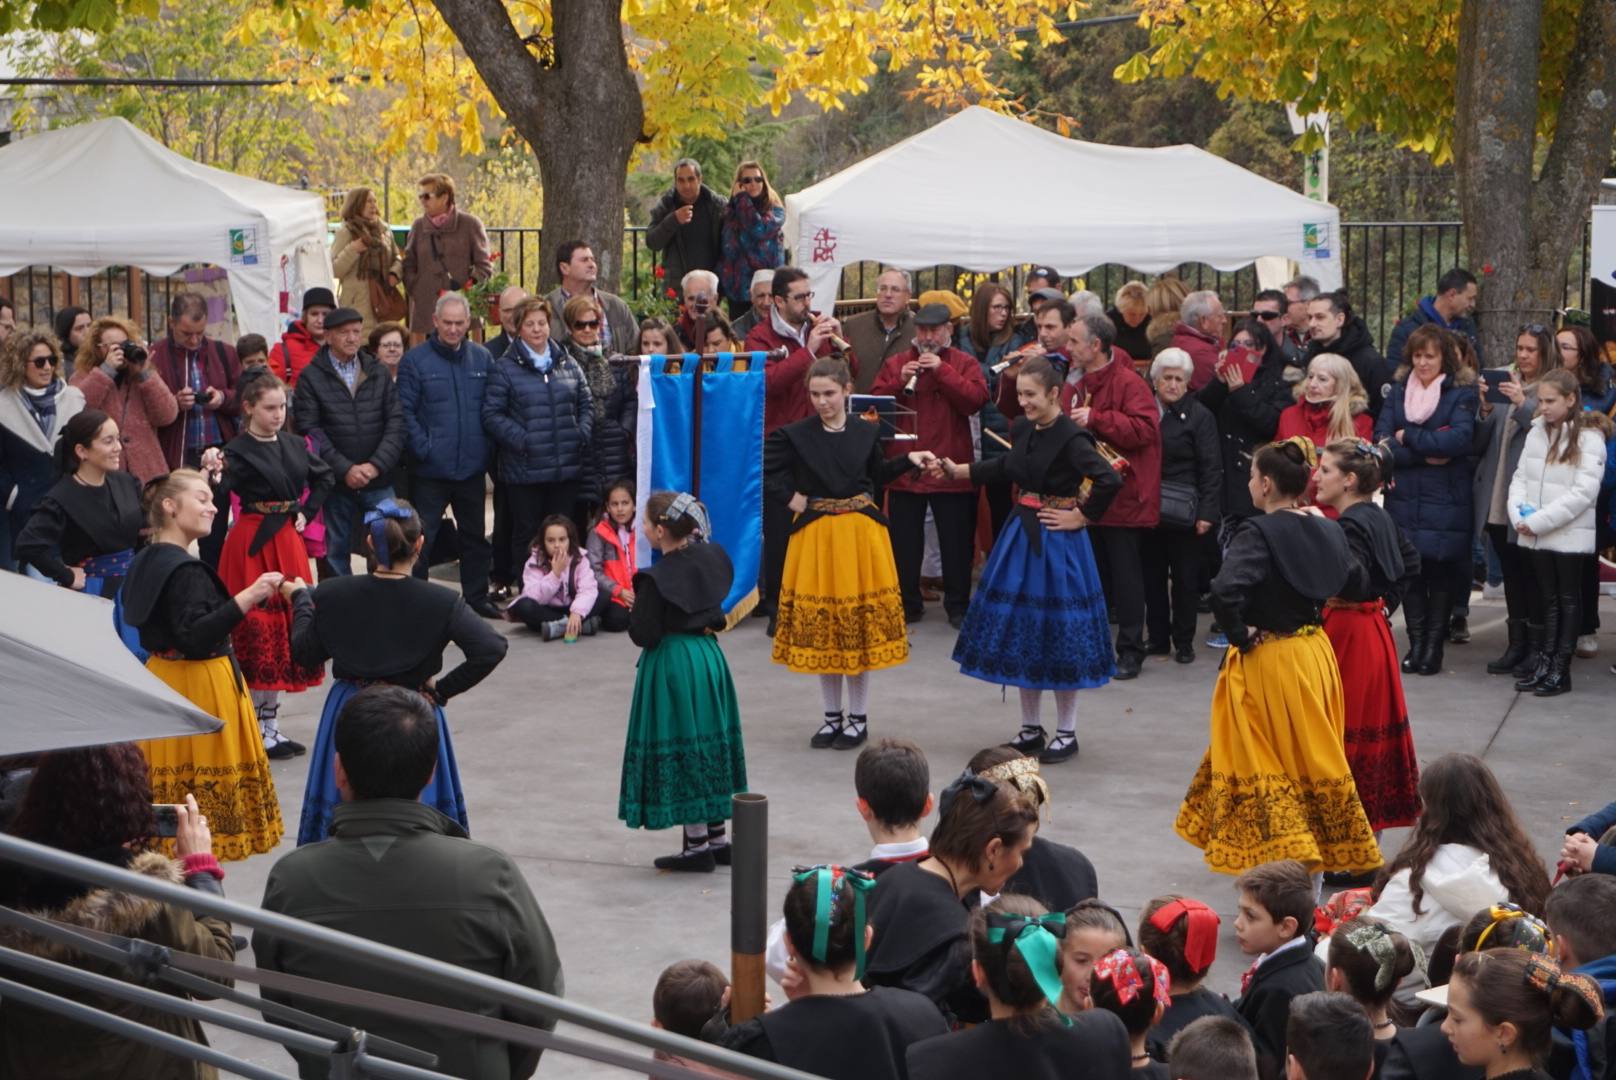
683,757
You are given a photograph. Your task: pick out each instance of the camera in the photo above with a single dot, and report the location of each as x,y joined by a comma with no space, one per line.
133,354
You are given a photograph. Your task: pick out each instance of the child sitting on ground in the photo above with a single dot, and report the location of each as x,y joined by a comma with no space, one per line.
1276,908
1138,989
1093,929
1183,934
1212,1048
687,995
612,551
1368,959
558,588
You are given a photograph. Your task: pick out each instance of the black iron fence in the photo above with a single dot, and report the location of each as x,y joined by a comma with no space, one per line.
1388,266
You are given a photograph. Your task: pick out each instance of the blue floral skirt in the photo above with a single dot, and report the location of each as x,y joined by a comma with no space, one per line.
1038,620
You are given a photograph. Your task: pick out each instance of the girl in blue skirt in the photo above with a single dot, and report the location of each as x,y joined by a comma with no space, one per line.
1038,618
683,758
386,627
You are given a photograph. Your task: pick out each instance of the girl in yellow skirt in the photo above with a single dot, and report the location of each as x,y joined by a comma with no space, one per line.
840,614
185,615
1275,783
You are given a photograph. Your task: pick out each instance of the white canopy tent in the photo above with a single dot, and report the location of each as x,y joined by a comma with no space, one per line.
106,194
984,191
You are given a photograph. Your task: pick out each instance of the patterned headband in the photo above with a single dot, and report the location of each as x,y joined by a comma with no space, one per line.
1118,968
686,505
1377,941
1022,774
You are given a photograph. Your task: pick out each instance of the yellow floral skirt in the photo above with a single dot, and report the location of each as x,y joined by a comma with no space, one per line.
226,771
840,611
1275,783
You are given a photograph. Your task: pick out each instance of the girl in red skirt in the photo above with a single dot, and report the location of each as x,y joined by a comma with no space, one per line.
280,486
1380,748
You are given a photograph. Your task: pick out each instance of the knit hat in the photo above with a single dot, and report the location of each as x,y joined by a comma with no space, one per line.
957,308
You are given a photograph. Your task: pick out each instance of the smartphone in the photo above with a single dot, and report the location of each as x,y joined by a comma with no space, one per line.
1242,358
1494,378
168,819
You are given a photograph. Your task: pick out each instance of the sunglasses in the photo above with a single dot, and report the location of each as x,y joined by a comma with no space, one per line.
749,180
42,361
586,324
1532,328
427,196
1266,315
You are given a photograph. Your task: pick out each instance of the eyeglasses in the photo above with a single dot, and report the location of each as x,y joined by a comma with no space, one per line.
799,297
1266,315
586,324
749,180
42,361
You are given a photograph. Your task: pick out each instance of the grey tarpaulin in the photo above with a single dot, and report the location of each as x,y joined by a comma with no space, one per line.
67,680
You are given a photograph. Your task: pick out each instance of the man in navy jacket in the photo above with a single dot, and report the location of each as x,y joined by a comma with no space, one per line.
440,389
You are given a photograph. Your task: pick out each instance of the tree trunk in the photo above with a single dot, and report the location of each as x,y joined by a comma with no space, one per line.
581,114
1525,229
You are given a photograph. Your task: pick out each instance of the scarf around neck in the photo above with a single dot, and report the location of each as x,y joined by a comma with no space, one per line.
42,404
1420,401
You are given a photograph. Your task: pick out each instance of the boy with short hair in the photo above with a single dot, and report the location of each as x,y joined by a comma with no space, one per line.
1581,914
1212,1048
893,784
1276,909
688,993
1328,1038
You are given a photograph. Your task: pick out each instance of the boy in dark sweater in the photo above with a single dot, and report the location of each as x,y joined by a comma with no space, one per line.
1276,908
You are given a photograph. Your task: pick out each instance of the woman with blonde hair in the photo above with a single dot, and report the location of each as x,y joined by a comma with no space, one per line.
750,237
363,251
1330,406
1131,313
1162,301
114,373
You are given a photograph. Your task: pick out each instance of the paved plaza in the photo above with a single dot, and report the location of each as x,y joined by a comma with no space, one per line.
540,742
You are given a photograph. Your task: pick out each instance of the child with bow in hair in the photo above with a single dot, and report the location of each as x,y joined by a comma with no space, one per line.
1137,988
1182,933
1368,959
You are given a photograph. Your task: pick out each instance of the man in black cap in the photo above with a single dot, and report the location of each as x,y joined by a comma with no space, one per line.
1043,277
348,403
304,337
945,388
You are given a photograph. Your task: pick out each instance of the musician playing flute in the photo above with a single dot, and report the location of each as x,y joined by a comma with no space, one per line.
1105,395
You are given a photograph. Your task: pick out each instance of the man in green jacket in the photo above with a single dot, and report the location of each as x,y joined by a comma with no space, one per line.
398,872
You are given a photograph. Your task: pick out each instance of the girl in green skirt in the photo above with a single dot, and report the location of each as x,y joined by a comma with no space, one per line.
683,758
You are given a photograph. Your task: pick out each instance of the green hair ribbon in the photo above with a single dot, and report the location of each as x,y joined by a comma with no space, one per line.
830,880
1037,939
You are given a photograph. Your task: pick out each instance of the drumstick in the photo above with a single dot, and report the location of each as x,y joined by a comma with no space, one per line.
996,437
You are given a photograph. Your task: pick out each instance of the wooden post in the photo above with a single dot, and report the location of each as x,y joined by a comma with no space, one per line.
748,916
137,296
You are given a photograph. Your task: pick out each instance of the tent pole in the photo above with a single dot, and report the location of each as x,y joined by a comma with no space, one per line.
137,296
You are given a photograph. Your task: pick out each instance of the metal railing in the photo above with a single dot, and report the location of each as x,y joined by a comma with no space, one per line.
1388,266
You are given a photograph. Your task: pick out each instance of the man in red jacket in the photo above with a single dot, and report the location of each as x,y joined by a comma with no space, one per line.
1202,324
945,388
1106,395
790,325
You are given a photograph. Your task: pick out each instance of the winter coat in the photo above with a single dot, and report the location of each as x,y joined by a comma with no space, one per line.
1596,825
990,417
614,398
1313,420
353,429
577,593
1247,418
35,1043
695,246
786,381
751,241
292,353
221,370
1124,415
1491,453
617,333
1562,494
944,401
613,564
1425,312
353,289
440,393
1431,502
1458,882
142,405
27,454
541,421
1356,346
442,260
398,872
1204,350
1190,453
871,342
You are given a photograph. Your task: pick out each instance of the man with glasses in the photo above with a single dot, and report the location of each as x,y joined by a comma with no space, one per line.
579,271
1201,326
1269,308
805,335
1299,292
884,332
1449,308
687,224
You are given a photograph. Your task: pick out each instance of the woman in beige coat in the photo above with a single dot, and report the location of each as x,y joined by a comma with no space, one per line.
447,251
362,251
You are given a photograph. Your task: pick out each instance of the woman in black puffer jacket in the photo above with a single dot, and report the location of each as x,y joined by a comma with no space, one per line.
614,398
537,408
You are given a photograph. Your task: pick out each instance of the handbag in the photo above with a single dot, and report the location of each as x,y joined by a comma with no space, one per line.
387,301
1178,504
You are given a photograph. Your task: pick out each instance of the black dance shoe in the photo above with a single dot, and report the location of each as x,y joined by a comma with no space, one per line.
280,751
698,861
1185,654
828,732
1061,748
1029,740
853,735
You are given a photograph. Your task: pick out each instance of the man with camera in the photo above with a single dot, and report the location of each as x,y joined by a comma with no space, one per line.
700,291
579,272
945,388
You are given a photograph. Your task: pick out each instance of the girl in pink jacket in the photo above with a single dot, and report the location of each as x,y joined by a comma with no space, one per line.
559,593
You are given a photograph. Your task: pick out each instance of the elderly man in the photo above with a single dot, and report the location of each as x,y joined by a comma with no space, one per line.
349,403
579,271
1449,307
501,575
1298,293
396,871
762,301
945,388
1200,332
509,300
1086,302
687,224
1334,328
1106,395
879,335
699,292
303,339
440,392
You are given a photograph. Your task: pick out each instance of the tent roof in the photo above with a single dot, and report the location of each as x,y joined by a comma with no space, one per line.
985,191
86,197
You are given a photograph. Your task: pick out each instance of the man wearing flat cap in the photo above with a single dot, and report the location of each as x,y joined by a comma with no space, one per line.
945,388
347,403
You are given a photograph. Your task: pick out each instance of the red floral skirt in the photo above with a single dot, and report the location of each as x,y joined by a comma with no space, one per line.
263,640
1380,747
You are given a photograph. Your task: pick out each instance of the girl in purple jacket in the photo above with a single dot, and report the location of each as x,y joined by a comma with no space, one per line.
558,586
